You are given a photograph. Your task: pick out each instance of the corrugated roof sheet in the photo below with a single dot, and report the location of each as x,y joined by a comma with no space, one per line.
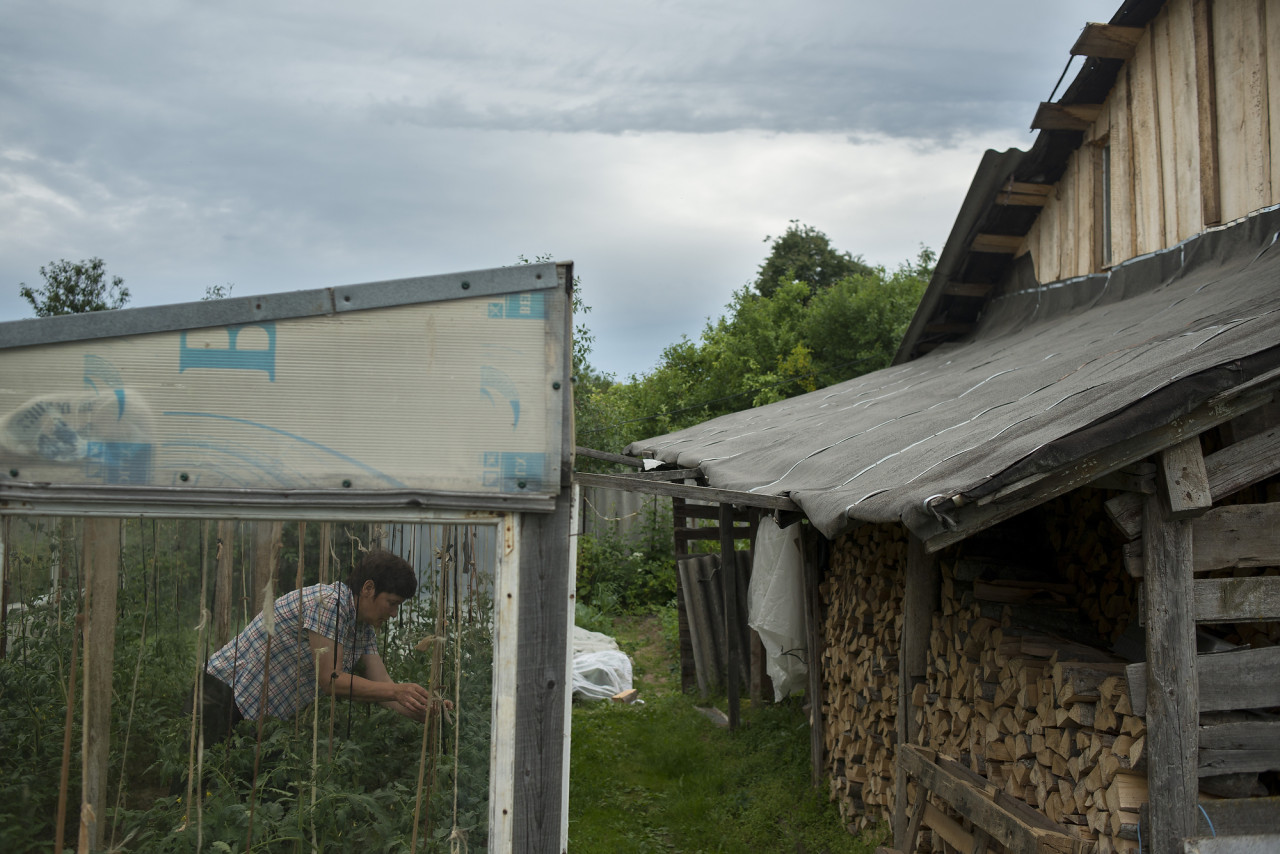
1054,373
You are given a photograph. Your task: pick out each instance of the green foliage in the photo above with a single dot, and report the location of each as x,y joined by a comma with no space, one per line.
627,574
765,348
805,254
74,288
855,326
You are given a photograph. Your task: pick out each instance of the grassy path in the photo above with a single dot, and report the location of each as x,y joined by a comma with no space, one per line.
661,777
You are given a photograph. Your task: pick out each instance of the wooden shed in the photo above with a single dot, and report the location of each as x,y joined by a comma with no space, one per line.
1045,599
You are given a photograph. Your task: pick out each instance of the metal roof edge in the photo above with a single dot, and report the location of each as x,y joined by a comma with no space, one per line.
235,311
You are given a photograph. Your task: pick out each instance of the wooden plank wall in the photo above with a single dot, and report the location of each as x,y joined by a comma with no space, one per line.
1152,124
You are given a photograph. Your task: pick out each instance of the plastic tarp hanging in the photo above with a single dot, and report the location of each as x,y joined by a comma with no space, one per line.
775,605
600,669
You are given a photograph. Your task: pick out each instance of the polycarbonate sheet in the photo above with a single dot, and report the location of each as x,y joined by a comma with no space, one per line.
451,396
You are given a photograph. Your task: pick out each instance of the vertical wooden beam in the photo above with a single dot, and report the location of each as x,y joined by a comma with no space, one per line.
684,597
222,584
541,749
732,625
920,594
326,551
1206,112
815,564
1172,682
267,538
101,556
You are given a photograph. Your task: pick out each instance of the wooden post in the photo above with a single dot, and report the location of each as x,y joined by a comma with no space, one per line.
920,595
1172,684
101,556
541,749
326,551
732,627
222,585
689,676
268,538
815,565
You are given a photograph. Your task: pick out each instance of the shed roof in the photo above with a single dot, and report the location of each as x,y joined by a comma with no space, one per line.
1055,376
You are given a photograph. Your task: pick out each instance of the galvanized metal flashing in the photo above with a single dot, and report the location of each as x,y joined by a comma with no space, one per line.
234,311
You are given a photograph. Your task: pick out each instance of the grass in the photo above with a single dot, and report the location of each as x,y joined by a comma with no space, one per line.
661,777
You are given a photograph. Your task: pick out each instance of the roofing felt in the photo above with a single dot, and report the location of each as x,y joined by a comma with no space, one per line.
1053,374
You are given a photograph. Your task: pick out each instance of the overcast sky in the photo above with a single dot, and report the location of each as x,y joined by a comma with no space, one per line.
284,145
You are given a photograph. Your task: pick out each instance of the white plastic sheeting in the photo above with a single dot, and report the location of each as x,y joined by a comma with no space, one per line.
775,605
600,669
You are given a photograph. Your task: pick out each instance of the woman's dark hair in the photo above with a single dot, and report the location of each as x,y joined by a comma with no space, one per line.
389,573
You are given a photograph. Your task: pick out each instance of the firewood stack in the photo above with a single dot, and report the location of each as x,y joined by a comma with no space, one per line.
862,599
1090,555
1017,685
1046,719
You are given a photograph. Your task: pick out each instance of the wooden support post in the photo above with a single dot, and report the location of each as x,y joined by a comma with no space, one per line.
732,626
326,551
541,680
222,584
815,565
1172,685
539,818
268,539
919,601
101,561
689,676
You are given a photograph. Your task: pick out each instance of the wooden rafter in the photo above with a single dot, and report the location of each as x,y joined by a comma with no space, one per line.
1107,41
1024,194
608,457
1065,116
680,490
1001,244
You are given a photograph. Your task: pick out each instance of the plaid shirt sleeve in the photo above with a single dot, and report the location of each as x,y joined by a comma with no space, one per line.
332,614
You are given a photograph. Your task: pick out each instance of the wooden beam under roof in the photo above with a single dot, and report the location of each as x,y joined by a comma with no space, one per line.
1065,116
607,457
1001,244
1107,41
1024,194
680,490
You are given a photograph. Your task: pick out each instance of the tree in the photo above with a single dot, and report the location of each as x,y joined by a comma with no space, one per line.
761,350
805,254
855,326
75,288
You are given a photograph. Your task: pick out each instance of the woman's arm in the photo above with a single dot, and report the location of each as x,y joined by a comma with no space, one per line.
411,699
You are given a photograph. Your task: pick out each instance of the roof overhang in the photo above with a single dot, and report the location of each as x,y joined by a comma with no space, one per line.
1065,383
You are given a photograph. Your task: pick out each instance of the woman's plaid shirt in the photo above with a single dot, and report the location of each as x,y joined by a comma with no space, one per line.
327,609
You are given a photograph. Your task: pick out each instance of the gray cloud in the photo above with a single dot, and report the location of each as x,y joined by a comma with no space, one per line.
292,145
